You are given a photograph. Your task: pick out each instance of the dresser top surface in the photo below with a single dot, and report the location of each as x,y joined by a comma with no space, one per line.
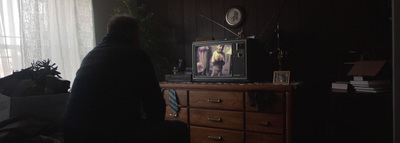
229,86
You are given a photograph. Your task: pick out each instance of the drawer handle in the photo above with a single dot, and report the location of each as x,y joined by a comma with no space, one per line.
214,101
264,123
215,138
214,119
173,115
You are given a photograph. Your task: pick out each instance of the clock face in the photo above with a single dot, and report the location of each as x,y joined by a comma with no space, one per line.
234,16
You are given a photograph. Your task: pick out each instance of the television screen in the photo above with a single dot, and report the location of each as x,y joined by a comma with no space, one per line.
239,60
214,60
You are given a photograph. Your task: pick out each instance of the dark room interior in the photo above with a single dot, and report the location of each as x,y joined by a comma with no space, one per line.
320,37
235,71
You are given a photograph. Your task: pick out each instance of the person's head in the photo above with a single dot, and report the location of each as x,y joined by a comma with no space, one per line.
220,48
124,25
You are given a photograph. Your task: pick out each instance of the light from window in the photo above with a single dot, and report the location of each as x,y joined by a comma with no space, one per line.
10,37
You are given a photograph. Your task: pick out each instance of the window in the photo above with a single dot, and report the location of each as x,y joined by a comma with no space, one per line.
10,38
31,30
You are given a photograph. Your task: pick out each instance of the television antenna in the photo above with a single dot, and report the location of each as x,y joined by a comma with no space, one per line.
238,35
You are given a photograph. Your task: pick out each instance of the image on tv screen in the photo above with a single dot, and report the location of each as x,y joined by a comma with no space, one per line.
214,60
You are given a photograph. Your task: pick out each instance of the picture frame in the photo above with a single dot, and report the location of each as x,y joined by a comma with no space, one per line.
281,77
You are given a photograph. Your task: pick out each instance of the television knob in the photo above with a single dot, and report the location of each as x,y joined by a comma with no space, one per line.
240,55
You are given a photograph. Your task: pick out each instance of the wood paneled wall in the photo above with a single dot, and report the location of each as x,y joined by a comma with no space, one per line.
317,33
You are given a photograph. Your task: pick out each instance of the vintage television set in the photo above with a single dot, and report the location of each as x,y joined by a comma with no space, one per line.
240,60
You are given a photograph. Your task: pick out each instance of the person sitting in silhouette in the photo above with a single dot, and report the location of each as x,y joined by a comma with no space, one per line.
115,96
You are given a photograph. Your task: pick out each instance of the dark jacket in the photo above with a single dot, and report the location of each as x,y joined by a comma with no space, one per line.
112,83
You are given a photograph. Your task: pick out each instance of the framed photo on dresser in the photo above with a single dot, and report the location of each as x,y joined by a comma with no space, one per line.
281,77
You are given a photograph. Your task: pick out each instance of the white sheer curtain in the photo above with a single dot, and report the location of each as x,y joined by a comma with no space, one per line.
31,30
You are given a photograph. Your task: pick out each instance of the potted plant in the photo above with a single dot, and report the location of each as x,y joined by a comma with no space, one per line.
40,78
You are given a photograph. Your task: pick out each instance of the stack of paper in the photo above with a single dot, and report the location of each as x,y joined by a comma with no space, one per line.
340,86
372,86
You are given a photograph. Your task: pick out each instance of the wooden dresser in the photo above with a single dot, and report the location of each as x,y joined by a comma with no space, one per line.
233,113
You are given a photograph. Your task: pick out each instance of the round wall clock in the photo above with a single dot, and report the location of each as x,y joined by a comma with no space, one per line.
234,16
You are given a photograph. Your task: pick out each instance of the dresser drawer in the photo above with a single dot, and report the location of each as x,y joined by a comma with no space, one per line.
263,122
182,114
210,135
263,138
217,118
273,104
181,96
216,99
